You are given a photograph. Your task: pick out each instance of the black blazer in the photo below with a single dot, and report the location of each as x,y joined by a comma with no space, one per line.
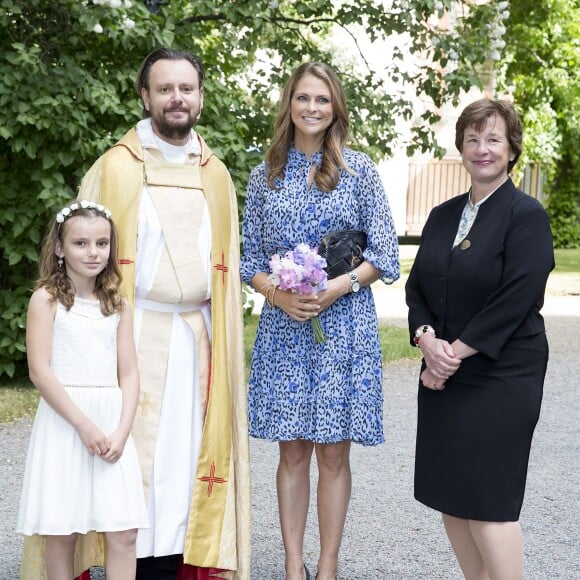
493,290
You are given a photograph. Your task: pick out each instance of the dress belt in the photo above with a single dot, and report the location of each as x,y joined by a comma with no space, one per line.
146,304
87,386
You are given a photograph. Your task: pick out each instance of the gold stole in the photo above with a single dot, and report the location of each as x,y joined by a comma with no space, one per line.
214,477
219,526
214,503
210,494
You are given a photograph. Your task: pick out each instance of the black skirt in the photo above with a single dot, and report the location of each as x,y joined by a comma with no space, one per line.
474,437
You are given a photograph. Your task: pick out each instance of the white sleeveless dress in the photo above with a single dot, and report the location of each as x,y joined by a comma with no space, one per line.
65,489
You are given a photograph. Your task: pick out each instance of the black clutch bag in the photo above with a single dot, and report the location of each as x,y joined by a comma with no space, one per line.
343,251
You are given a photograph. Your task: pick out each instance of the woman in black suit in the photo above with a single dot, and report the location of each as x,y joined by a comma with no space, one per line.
474,294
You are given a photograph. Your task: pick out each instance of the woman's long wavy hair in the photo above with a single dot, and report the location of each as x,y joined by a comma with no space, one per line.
55,279
327,176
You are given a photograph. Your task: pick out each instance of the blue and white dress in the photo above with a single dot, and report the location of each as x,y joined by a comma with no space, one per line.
299,389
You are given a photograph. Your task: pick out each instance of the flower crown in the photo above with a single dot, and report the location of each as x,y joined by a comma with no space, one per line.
66,212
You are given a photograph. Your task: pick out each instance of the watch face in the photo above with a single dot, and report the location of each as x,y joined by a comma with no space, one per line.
355,286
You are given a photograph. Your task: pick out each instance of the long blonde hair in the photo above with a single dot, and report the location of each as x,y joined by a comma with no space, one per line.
53,276
336,136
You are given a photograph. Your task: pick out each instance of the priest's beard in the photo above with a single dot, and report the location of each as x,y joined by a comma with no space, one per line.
172,128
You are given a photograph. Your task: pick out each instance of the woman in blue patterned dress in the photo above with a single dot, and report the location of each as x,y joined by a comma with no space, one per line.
312,396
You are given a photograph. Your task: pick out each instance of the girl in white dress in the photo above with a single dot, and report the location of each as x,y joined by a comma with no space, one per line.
82,472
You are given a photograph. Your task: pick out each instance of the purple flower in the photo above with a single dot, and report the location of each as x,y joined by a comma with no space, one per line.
302,271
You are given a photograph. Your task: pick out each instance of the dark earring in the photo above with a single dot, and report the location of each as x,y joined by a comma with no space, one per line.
60,262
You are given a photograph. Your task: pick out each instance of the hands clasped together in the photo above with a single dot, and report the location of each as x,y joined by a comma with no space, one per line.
109,448
303,307
442,360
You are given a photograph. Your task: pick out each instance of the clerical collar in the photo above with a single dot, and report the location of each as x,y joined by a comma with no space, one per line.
150,141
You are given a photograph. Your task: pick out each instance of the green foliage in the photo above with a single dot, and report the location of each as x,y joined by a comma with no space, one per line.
564,212
67,69
541,69
65,96
248,302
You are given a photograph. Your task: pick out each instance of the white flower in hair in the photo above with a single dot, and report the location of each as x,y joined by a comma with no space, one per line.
83,204
62,214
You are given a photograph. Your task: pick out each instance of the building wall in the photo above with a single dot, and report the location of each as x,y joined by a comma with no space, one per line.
415,186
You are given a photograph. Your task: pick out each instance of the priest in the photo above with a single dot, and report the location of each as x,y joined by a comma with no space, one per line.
175,208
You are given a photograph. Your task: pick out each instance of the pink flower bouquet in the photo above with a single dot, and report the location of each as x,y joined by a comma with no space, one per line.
302,271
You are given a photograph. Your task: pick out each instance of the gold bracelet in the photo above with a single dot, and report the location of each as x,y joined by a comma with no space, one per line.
270,293
266,287
274,294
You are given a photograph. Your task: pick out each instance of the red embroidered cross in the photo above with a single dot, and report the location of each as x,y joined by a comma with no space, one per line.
211,479
222,268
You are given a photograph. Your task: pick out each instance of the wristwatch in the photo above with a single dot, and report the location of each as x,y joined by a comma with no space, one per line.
421,331
354,283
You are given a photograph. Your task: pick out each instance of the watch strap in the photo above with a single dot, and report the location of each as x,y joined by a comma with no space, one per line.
421,331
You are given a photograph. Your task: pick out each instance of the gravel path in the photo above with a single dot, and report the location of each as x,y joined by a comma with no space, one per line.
388,534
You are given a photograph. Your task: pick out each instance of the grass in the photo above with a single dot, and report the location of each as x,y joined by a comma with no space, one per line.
567,261
565,278
20,399
250,328
17,401
394,342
